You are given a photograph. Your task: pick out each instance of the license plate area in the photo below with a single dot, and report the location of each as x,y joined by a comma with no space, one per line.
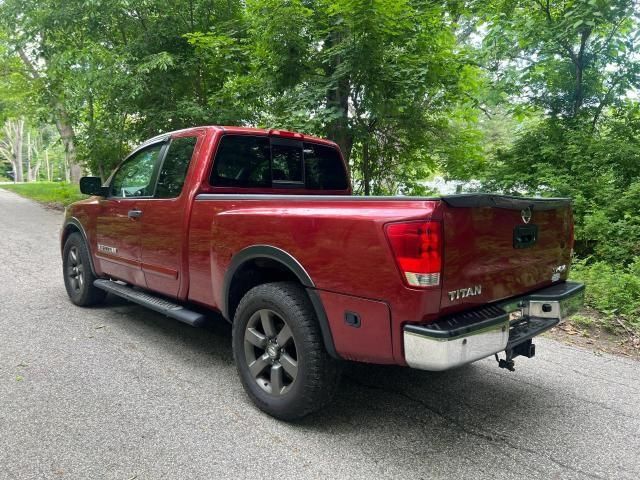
525,236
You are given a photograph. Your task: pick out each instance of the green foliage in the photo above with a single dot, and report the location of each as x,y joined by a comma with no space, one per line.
569,58
612,290
583,321
54,193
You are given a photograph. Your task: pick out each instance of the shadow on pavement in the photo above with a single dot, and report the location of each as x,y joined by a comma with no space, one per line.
476,400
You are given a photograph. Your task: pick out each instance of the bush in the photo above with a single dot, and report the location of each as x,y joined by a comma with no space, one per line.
614,291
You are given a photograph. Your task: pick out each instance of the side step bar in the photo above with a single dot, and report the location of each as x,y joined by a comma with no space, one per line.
158,304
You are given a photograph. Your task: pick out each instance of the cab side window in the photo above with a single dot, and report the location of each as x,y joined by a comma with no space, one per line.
175,166
135,177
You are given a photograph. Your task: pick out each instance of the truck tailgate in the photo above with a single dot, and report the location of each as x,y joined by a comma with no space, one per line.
497,247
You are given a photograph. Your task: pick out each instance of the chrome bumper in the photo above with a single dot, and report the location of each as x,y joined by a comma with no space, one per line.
469,336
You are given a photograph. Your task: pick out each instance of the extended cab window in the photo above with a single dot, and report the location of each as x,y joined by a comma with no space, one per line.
248,161
323,168
242,161
134,178
174,167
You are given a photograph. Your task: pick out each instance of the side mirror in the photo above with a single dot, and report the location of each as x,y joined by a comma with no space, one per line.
93,186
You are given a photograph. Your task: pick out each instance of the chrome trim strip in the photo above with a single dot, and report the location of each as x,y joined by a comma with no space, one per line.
334,198
541,203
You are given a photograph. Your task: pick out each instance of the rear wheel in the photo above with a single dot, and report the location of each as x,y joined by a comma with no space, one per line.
78,276
279,353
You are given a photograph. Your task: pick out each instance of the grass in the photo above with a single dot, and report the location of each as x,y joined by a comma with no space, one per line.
51,193
612,291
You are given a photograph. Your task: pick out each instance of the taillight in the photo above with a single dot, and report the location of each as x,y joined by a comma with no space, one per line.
417,247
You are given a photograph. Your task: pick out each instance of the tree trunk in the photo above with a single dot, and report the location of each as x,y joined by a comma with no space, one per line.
74,170
63,124
67,173
17,146
366,168
46,163
12,145
338,130
579,63
29,172
338,99
35,158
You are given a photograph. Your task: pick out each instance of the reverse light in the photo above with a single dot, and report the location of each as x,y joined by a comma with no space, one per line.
417,247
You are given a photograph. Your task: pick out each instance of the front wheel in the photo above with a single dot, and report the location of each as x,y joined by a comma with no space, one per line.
279,352
78,277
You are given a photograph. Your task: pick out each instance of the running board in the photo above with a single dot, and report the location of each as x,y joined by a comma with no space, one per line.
158,304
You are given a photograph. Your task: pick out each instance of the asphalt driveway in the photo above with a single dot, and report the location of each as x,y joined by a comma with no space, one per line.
118,392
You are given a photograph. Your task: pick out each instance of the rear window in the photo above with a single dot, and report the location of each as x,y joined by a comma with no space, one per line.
246,161
286,162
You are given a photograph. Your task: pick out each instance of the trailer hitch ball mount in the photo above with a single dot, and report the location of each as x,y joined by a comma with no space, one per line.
525,349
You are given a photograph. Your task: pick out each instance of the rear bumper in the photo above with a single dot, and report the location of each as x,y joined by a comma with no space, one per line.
469,336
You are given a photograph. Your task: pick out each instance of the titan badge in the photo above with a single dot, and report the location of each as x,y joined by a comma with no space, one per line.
465,292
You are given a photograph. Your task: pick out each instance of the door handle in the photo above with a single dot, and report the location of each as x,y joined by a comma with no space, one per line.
135,213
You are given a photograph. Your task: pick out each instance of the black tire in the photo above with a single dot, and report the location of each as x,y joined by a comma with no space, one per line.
78,276
316,374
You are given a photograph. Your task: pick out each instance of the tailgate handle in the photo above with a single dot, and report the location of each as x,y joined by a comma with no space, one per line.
525,236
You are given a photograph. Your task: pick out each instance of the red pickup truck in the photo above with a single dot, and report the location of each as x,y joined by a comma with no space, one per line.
261,226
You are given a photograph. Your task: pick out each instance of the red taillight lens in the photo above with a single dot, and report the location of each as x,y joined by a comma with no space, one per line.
417,247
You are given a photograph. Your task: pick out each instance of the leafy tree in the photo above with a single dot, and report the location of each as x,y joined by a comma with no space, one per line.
379,77
570,59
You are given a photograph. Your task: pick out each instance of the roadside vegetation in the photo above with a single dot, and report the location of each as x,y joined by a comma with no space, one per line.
524,97
54,194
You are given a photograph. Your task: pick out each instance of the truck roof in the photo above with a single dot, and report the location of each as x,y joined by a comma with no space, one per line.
246,131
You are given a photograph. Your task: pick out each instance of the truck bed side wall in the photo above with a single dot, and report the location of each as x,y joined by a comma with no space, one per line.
340,244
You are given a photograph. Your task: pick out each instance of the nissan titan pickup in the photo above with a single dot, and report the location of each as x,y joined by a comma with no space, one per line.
261,226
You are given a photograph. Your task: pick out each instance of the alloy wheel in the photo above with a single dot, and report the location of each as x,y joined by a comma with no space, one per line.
75,269
270,352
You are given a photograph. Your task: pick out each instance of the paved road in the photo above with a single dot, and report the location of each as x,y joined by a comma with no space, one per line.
118,392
